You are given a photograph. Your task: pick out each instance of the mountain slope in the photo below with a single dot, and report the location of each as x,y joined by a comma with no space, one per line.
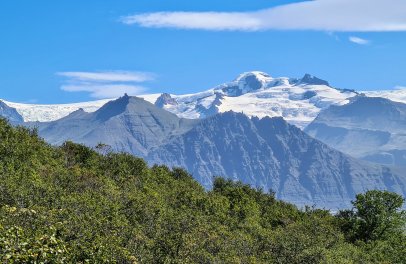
127,124
370,128
10,113
271,154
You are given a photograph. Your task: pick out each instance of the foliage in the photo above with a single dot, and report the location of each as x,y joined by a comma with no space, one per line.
377,225
72,204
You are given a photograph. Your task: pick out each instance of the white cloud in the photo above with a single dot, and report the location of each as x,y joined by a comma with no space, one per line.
105,84
111,76
196,20
359,41
105,91
325,15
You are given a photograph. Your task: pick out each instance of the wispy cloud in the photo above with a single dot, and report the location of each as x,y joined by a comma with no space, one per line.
108,84
197,20
111,76
104,91
324,15
359,41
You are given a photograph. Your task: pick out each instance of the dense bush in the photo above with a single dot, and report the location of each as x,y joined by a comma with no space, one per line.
72,204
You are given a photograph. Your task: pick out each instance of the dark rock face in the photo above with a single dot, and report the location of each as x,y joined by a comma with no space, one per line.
312,80
309,94
370,128
271,154
10,114
233,90
165,99
247,83
252,82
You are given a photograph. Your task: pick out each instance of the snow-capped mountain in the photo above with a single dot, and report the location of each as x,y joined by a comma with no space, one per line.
297,100
258,94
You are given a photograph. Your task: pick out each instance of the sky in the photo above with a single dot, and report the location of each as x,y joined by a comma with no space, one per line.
74,50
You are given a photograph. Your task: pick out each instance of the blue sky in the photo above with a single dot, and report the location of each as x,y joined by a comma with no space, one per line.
48,48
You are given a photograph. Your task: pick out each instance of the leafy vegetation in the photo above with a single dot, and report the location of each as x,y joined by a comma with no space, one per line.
72,204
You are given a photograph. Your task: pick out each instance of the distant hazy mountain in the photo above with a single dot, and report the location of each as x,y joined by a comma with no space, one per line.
10,113
128,124
272,154
297,100
370,128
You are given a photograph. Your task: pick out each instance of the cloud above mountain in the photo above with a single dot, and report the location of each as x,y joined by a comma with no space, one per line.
112,76
320,15
105,84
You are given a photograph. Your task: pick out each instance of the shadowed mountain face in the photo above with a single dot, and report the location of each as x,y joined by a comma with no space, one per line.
127,124
10,114
370,128
271,154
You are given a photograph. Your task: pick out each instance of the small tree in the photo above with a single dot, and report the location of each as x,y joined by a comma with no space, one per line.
376,215
379,214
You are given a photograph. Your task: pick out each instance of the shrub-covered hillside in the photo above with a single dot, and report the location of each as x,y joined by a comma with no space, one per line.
73,204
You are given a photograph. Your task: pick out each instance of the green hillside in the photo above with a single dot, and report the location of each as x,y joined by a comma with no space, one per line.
73,204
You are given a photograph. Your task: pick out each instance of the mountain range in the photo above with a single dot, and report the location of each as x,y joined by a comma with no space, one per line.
297,100
251,130
268,153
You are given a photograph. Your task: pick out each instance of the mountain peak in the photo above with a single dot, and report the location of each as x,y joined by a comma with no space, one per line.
312,80
251,81
245,83
116,107
253,74
79,113
165,99
372,108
